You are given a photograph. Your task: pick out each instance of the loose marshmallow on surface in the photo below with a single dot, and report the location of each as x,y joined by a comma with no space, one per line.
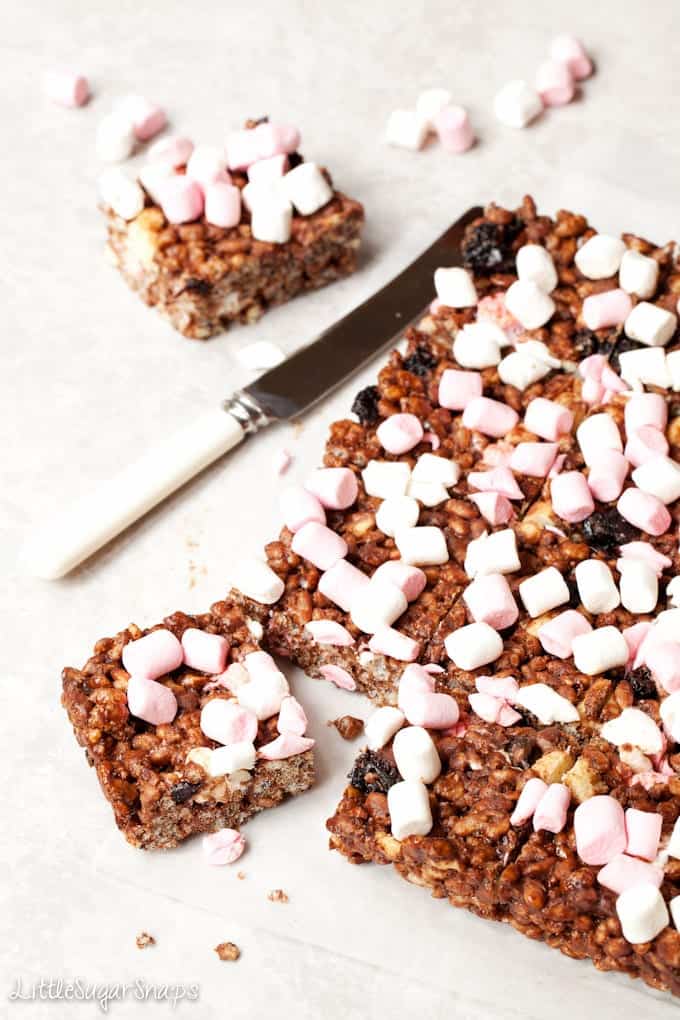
610,308
406,130
307,188
596,434
204,651
227,721
430,468
115,138
455,287
639,585
644,833
181,199
381,726
66,87
557,635
271,220
399,433
517,104
572,500
478,345
409,806
600,256
529,304
151,701
490,417
153,655
490,600
422,546
528,800
222,204
318,544
409,579
492,554
638,273
298,507
395,513
600,829
342,584
457,388
454,130
551,811
554,83
429,103
384,478
223,847
642,912
543,592
121,193
660,477
147,118
256,580
473,645
650,324
596,587
335,488
607,475
644,511
633,726
548,419
535,264
602,649
645,366
415,755
546,704
171,150
377,605
567,49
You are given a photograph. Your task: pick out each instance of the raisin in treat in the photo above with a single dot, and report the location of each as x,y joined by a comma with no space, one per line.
218,238
190,726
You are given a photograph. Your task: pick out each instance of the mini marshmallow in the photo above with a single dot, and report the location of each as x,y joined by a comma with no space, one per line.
429,103
599,829
384,478
517,104
478,345
286,745
572,500
454,129
391,642
381,726
430,468
256,580
415,755
546,704
503,687
607,474
673,591
458,388
644,833
342,584
533,459
271,220
227,721
490,417
264,693
414,680
633,726
115,137
406,130
669,711
527,802
492,709
121,193
292,717
650,324
557,635
153,655
548,419
535,265
222,204
151,701
646,409
645,552
242,149
329,632
204,651
427,493
409,806
644,511
409,579
638,274
645,444
422,546
399,433
455,287
646,367
338,676
307,188
602,649
610,308
597,434
642,912
529,304
600,256
623,872
673,368
181,199
432,710
543,592
660,477
171,150
260,193
474,645
268,171
639,586
223,847
153,176
635,637
596,586
673,845
492,554
566,49
396,513
554,83
377,605
66,87
490,600
147,118
494,508
335,488
521,370
318,544
551,810
274,139
224,761
299,507
498,479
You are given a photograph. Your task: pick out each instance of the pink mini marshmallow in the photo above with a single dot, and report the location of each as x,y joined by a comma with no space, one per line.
342,584
558,464
490,600
551,810
648,554
644,833
151,701
260,664
329,632
400,433
172,150
318,544
242,149
286,745
227,722
431,710
644,511
276,139
499,479
433,439
592,367
493,308
663,659
554,83
268,170
147,118
534,459
503,687
490,417
457,388
610,308
389,641
335,488
454,129
338,676
507,716
414,680
222,204
644,444
646,409
530,796
181,199
497,454
572,500
292,718
569,50
234,676
592,392
607,474
548,419
600,829
153,655
635,637
493,506
611,381
557,635
204,651
409,579
299,507
223,847
66,87
486,706
624,872
433,668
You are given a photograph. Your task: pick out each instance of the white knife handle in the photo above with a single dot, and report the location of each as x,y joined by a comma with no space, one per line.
117,503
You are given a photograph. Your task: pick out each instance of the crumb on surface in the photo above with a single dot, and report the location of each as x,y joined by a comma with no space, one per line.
240,875
348,726
228,951
277,896
144,939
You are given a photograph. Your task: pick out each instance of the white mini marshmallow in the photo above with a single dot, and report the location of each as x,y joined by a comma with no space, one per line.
455,287
307,188
673,845
256,580
650,325
409,806
395,513
597,434
517,104
673,591
639,586
543,592
384,478
381,726
535,264
659,476
153,176
259,192
648,367
602,649
670,715
206,164
428,493
406,130
492,554
529,304
642,912
121,193
271,220
522,370
378,604
546,704
673,369
478,344
263,695
596,586
600,256
638,274
473,646
422,547
430,468
633,726
431,102
674,907
115,138
415,755
223,761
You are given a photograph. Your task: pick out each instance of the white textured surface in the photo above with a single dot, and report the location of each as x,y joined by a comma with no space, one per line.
90,377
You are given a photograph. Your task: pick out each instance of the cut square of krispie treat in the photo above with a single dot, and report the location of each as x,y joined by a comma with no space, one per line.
189,725
224,237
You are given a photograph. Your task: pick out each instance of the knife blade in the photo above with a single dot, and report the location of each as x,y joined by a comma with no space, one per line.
284,392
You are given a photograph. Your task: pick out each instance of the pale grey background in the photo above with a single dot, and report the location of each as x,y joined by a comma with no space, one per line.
90,377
